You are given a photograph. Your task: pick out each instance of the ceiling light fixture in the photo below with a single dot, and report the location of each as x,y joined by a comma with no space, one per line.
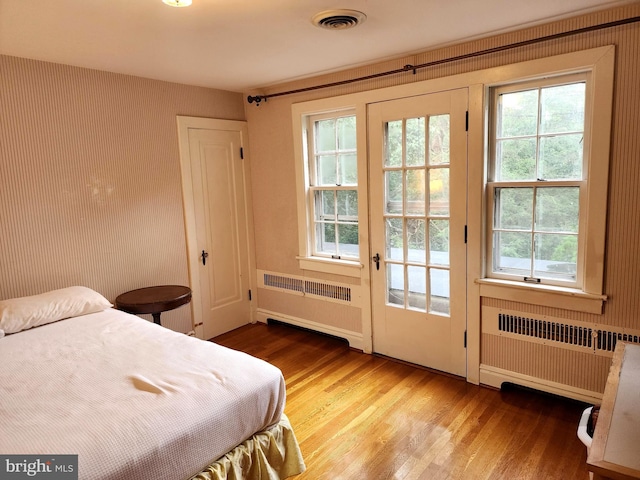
177,3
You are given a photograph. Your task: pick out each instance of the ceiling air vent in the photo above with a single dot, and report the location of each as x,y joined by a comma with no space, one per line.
338,19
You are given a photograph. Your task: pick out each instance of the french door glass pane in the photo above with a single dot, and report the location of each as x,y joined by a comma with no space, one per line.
415,141
393,157
394,191
415,192
416,242
439,242
395,239
417,294
395,284
555,256
440,296
439,191
439,139
412,280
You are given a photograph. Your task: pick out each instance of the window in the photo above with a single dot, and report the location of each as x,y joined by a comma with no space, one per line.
332,190
538,181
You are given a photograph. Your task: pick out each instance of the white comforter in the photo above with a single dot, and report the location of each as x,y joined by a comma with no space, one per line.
133,399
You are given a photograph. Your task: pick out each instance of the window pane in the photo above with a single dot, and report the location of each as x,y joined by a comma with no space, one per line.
327,174
557,209
325,205
347,204
514,208
394,144
416,241
348,239
439,242
326,238
415,192
346,133
417,295
562,108
395,284
439,191
395,239
561,157
440,297
516,159
348,169
512,253
555,256
518,114
415,141
393,183
326,135
439,139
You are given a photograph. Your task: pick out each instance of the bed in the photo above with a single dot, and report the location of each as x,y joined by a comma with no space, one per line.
135,400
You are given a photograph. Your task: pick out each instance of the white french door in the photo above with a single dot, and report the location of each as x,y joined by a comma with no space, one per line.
418,171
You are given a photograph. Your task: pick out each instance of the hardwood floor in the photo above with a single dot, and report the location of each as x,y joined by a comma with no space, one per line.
360,416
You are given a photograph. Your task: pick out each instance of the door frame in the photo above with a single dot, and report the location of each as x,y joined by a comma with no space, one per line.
185,124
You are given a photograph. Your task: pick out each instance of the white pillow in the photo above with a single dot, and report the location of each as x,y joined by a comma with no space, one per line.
18,314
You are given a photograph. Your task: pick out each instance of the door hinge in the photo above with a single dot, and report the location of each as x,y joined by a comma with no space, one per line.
465,234
465,339
249,295
466,122
241,153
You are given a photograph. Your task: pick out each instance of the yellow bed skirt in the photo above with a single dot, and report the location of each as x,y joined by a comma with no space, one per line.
270,455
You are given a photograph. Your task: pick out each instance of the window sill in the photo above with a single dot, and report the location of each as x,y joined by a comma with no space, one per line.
550,296
329,265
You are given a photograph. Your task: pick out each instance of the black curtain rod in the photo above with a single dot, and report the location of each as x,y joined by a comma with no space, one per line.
412,68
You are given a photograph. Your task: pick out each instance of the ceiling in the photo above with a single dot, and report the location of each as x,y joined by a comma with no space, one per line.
240,45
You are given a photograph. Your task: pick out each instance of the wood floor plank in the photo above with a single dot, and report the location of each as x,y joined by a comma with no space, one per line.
360,416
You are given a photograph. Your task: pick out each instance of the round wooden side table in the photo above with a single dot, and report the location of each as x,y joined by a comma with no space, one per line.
154,300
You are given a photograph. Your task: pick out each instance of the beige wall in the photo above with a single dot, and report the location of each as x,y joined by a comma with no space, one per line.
90,172
270,131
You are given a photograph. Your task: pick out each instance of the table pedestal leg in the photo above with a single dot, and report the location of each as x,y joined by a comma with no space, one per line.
156,318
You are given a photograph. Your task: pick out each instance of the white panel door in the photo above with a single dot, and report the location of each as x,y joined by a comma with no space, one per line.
221,230
418,169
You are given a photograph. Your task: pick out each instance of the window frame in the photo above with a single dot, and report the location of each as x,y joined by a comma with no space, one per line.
308,258
314,186
492,184
598,65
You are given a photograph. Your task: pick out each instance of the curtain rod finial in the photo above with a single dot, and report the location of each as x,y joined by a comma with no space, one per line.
257,99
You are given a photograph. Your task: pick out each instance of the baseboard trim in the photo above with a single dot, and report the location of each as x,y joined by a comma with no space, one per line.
495,377
355,339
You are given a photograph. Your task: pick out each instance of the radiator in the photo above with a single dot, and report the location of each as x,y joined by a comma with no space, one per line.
314,288
557,355
329,307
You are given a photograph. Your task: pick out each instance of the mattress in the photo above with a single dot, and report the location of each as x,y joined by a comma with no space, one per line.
132,399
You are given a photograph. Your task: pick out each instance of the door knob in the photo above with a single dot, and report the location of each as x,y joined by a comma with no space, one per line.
204,256
376,258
